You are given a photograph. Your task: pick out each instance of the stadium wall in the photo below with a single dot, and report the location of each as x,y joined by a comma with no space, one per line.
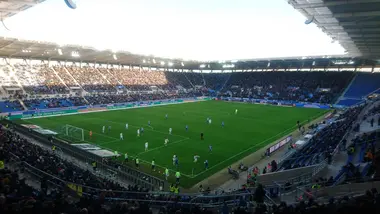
96,108
281,103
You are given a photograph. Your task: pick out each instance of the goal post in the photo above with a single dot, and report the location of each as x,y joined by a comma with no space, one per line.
72,132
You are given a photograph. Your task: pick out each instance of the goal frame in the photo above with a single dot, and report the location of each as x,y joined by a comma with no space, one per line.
68,129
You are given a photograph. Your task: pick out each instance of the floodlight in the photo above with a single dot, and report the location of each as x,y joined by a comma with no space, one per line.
154,61
309,21
268,65
162,63
170,64
114,57
71,4
144,61
75,54
182,64
60,51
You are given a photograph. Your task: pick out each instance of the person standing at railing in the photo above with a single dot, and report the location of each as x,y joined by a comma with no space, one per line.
166,173
137,162
126,157
94,165
177,176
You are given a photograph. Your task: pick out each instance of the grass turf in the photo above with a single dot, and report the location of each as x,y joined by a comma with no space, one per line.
254,127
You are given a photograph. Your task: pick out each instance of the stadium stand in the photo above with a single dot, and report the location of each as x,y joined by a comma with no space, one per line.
362,85
44,87
321,87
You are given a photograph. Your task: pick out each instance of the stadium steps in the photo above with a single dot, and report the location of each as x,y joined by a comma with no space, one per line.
97,70
345,90
76,82
56,74
17,80
225,82
189,80
23,104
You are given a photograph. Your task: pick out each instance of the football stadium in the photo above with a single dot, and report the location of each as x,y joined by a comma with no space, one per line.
189,106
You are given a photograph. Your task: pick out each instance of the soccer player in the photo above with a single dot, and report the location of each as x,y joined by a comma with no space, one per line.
90,134
187,128
121,136
142,130
138,132
202,136
109,129
126,126
210,148
166,141
146,146
104,129
176,162
222,123
206,164
174,157
236,111
196,158
148,122
170,130
166,116
209,121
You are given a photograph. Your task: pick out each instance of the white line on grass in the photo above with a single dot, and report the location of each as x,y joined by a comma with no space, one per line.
256,145
166,133
159,147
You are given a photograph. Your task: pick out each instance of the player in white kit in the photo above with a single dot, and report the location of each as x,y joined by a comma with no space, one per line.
121,136
104,129
146,146
138,132
170,130
166,141
126,126
196,158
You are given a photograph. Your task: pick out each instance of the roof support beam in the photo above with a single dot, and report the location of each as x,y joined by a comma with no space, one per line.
330,4
364,30
364,23
352,14
24,2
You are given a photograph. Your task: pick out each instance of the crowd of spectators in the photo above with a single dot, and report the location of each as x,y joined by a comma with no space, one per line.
322,87
324,142
34,104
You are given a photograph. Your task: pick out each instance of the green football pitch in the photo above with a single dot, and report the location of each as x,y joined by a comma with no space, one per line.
253,127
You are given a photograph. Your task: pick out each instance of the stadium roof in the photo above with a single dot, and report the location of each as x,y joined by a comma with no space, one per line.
355,24
26,49
10,8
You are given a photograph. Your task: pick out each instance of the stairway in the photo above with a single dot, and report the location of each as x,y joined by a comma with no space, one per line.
23,104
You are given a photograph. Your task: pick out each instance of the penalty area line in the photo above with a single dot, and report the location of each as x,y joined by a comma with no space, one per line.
159,147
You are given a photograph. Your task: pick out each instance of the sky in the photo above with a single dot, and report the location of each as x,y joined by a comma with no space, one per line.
186,29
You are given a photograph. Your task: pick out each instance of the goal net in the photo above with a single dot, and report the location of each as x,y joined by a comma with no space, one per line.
72,133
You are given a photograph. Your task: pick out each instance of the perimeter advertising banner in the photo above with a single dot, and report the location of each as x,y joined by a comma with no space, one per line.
40,114
81,109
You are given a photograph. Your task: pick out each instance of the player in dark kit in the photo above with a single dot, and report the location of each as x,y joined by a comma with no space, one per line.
202,136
